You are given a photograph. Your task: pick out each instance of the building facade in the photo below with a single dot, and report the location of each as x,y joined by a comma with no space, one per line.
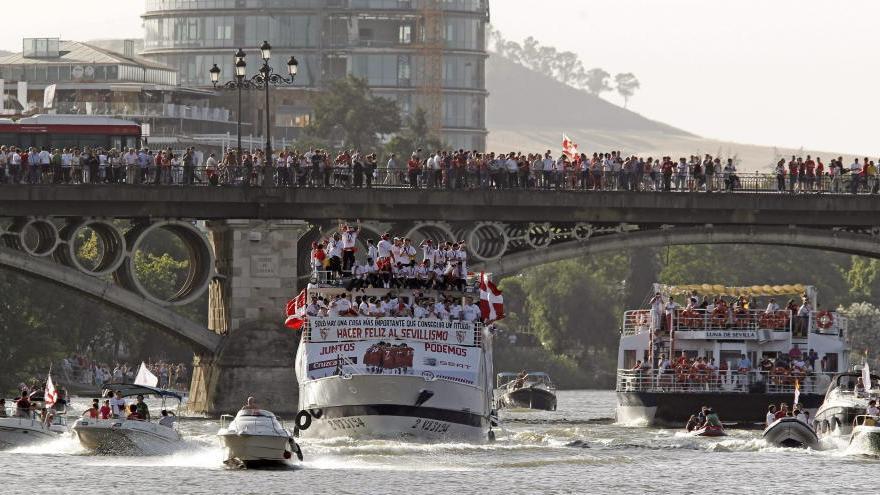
421,53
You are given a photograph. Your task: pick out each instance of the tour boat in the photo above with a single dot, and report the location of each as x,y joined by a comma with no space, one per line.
130,436
532,391
395,377
791,432
693,357
842,405
255,438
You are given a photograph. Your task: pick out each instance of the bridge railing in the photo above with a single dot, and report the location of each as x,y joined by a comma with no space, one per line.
344,178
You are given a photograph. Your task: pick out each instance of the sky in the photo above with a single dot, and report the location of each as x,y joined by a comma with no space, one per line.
786,73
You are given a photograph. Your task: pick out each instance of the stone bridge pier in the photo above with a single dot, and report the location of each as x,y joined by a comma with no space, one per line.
257,267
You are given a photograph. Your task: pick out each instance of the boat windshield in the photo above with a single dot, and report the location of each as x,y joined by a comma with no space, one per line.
254,413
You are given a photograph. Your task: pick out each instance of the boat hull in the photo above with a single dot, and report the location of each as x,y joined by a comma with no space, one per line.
111,437
792,433
256,450
529,398
672,409
15,432
709,431
395,407
866,439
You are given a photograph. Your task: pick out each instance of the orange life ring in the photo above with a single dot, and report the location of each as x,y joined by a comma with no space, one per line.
824,320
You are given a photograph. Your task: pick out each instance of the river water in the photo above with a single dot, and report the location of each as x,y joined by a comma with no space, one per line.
577,449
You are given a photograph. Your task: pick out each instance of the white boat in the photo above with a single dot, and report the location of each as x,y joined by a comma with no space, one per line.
842,405
254,438
533,391
19,431
391,377
674,361
791,432
866,434
130,436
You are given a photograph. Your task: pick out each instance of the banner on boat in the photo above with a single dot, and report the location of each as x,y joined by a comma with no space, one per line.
343,329
429,360
720,334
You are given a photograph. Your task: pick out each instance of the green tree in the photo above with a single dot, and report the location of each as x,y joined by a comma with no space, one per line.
416,134
626,84
348,113
596,81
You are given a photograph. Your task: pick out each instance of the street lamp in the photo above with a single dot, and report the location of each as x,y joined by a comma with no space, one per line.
264,78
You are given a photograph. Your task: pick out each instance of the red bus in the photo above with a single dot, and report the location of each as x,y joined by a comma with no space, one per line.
69,131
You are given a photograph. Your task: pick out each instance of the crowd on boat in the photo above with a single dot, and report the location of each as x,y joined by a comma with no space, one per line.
114,406
797,411
390,263
440,169
81,369
420,306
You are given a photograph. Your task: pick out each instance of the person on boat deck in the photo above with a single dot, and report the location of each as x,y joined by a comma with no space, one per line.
92,411
772,307
872,409
799,415
117,405
693,300
520,380
795,352
105,410
250,405
142,409
859,388
23,405
133,413
771,415
782,411
167,418
803,317
657,312
712,419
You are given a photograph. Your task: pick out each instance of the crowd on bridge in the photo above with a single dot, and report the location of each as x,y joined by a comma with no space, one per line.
441,169
391,262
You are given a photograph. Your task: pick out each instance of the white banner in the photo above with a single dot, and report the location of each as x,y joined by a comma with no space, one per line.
22,95
343,329
49,96
425,359
2,94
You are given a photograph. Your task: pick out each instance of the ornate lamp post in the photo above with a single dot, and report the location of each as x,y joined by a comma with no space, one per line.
264,78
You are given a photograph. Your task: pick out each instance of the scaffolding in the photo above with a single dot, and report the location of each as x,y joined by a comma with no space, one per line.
431,47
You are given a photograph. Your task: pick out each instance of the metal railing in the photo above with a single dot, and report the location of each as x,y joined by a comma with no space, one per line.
777,381
727,318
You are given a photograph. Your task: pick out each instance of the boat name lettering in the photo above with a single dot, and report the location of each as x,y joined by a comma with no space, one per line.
430,425
346,423
446,349
718,334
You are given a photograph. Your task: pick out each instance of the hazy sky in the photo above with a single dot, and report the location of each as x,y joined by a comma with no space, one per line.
774,72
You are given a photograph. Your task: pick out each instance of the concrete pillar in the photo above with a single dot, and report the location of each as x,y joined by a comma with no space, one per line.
258,264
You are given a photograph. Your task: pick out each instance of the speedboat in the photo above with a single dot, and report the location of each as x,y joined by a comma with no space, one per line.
866,434
532,391
129,436
843,404
20,431
709,431
791,432
254,438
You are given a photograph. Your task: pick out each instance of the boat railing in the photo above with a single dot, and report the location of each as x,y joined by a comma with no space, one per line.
649,380
726,318
866,420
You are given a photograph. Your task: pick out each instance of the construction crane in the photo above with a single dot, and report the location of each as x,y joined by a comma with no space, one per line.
431,46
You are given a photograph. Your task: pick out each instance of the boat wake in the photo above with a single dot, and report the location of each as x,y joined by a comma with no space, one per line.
63,445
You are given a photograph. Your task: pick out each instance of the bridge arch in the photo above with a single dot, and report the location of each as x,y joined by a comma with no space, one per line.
197,336
827,240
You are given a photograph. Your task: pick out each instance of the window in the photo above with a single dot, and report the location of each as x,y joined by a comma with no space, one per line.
405,37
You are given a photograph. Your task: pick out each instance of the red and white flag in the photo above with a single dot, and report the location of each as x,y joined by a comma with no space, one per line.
50,395
569,147
491,300
296,312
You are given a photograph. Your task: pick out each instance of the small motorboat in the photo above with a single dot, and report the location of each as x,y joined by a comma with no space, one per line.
791,432
21,431
532,390
709,431
255,438
121,436
866,434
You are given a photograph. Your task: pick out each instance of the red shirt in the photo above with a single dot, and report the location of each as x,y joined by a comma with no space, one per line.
105,412
413,165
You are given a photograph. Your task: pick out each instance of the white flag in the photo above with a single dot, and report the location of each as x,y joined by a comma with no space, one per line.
21,94
50,395
797,394
866,376
49,96
145,377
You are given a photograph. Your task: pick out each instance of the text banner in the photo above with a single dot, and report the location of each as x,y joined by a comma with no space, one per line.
342,329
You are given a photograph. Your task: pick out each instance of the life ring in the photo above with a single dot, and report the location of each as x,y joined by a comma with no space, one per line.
719,316
303,420
824,320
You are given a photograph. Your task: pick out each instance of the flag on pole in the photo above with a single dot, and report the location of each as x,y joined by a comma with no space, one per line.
569,147
145,377
491,300
296,312
866,376
50,395
797,393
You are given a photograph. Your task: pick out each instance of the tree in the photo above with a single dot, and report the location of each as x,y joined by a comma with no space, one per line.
568,68
347,112
596,81
627,84
416,134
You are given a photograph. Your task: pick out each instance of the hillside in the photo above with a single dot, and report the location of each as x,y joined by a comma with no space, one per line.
529,111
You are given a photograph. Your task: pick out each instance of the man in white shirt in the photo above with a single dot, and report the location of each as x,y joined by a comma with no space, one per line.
407,254
455,311
470,311
420,311
872,409
771,415
349,242
772,307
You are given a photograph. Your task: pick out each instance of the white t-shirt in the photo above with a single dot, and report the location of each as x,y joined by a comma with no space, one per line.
349,239
470,312
384,248
771,417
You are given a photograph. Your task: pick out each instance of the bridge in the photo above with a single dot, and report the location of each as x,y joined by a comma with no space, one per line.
248,249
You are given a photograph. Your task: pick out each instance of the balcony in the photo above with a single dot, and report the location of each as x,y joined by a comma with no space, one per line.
144,110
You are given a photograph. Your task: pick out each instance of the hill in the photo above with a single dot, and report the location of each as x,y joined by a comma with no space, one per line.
529,111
